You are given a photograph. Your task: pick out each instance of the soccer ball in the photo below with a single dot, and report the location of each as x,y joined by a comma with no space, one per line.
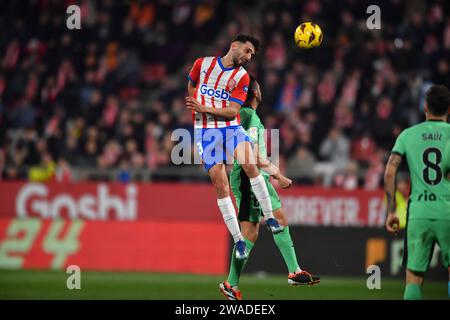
308,35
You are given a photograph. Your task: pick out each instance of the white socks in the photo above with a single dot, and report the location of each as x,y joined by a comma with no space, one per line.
229,213
229,216
262,194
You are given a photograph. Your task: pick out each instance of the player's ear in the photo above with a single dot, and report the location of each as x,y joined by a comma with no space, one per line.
425,108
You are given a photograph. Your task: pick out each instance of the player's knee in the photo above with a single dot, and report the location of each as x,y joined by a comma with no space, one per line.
414,276
250,169
221,187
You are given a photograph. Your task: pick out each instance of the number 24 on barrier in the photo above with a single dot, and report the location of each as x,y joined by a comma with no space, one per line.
22,233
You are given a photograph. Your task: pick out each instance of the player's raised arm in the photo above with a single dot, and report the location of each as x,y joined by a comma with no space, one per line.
263,163
271,169
390,174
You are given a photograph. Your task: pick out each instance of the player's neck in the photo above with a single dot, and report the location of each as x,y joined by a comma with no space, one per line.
227,61
430,117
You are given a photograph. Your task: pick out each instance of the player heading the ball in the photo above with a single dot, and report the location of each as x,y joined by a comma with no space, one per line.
217,88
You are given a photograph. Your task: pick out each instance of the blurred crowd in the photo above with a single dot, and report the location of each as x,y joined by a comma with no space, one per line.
109,95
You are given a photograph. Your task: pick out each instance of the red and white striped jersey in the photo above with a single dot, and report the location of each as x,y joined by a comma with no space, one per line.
216,86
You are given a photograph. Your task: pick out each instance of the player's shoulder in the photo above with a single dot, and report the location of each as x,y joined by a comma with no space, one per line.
247,110
416,130
256,120
242,79
241,76
246,113
244,72
204,60
427,124
410,130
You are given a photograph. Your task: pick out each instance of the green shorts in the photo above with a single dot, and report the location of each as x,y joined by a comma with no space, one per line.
421,236
248,206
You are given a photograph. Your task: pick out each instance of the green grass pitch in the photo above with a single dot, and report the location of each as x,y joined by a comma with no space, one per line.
26,284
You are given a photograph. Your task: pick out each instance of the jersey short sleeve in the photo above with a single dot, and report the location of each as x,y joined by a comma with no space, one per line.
239,94
399,147
194,75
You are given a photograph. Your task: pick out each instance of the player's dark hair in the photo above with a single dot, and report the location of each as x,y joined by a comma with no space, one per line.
244,38
438,100
251,91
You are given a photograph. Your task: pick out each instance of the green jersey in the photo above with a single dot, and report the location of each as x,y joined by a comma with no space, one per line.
426,147
248,206
255,130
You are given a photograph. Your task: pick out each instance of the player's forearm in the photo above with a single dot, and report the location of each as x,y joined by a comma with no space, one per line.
271,170
390,174
267,166
390,188
227,113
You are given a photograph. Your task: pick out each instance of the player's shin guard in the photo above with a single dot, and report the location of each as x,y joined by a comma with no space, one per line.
413,291
284,243
262,195
236,265
229,216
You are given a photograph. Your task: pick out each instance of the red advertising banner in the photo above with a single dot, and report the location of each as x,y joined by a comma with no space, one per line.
147,227
109,201
334,207
156,246
192,202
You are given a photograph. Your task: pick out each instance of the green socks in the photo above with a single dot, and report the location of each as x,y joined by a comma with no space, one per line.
413,291
236,265
284,243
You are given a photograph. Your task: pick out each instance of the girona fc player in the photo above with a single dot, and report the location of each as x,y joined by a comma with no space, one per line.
217,88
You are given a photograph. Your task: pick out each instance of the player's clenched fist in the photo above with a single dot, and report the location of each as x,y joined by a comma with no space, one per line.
284,182
392,223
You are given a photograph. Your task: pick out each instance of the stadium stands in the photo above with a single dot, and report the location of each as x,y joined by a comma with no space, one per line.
101,103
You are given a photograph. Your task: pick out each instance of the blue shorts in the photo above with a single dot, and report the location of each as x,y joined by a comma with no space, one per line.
217,145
